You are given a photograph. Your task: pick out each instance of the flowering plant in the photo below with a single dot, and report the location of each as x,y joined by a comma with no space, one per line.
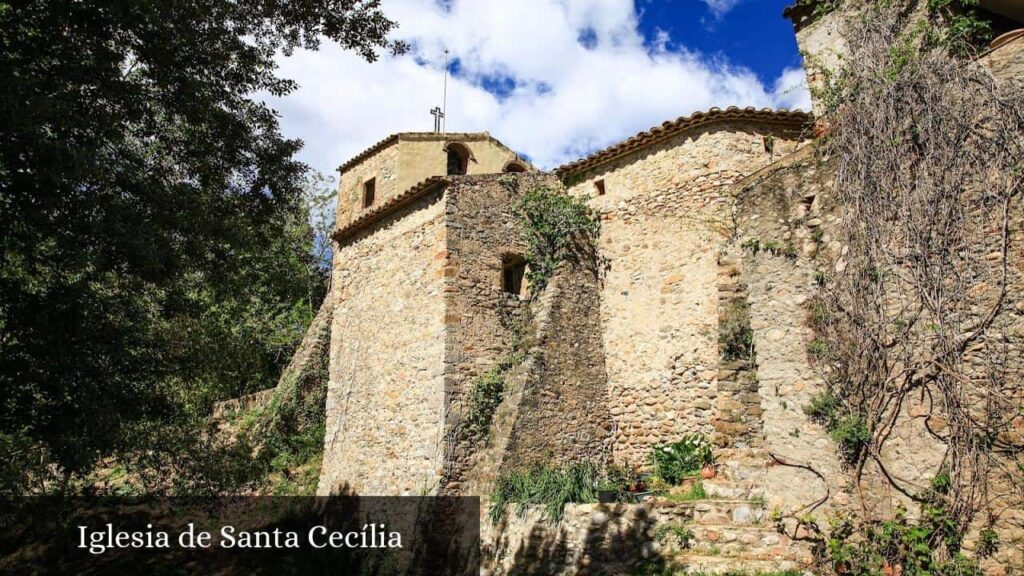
682,458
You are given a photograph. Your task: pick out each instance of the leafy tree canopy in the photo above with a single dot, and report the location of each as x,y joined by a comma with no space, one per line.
154,247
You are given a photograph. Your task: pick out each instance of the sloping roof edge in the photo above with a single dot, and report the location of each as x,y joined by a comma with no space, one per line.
425,187
668,129
454,136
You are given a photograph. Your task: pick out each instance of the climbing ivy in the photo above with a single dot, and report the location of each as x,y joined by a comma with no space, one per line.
961,29
557,227
905,546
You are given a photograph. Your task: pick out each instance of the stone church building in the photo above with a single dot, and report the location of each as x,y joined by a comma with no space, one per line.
428,267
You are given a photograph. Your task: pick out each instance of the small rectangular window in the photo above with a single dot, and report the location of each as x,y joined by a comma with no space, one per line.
513,270
599,186
369,192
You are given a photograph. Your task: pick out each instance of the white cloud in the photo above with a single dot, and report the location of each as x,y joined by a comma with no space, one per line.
720,7
566,97
790,90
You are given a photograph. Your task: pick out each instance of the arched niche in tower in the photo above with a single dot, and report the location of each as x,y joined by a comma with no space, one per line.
458,158
514,166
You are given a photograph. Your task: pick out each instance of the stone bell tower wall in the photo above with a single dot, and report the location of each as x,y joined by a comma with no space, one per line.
402,161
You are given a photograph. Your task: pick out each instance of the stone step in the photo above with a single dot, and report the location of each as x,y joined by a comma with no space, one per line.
714,512
749,542
697,564
734,490
729,512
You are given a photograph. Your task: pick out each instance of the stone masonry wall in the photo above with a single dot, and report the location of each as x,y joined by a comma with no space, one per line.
564,414
783,206
482,230
738,421
792,204
411,158
385,402
562,409
383,166
664,215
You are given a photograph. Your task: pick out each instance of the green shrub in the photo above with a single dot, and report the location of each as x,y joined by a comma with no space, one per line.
735,337
849,430
823,408
817,348
551,488
557,227
927,547
988,542
819,314
681,533
681,459
963,30
851,433
696,492
487,393
621,478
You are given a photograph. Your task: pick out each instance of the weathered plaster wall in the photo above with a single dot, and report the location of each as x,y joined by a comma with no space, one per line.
410,159
664,215
385,402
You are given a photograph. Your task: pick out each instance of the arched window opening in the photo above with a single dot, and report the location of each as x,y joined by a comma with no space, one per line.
513,271
458,159
514,167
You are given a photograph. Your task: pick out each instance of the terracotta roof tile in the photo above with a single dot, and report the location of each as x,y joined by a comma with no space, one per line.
454,136
671,128
392,205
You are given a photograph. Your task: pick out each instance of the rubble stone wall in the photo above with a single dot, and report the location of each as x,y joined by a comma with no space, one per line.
384,168
561,410
664,215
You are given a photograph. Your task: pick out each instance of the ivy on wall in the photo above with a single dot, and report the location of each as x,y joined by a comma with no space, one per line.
557,227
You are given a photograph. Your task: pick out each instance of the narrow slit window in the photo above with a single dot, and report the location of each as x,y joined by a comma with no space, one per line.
513,270
369,192
599,186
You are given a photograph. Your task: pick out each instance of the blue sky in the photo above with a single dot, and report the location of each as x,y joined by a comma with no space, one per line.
553,79
751,33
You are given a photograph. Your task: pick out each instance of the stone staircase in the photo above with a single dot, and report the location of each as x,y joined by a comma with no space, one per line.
728,532
732,530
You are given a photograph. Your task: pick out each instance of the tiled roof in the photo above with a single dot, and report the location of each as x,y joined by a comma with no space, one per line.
368,152
795,118
453,136
418,191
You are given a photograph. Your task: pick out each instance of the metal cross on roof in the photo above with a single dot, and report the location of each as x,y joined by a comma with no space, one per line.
438,115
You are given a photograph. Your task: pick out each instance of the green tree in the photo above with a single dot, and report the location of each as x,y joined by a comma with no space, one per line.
154,247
